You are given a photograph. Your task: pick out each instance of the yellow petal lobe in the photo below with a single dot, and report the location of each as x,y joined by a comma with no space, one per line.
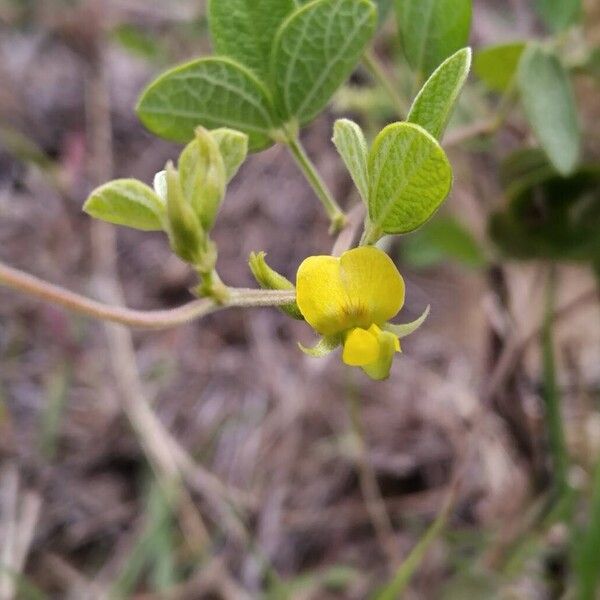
360,348
372,283
321,296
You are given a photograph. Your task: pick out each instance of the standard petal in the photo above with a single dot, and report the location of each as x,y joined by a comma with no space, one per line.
373,284
321,296
360,348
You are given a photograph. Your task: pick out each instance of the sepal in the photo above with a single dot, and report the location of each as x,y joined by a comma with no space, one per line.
326,345
405,329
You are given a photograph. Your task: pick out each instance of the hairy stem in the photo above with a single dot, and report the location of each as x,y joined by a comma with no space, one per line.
156,319
334,212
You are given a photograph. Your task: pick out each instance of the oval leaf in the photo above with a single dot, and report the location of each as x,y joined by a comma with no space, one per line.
245,29
433,106
409,177
559,14
126,202
550,107
212,92
432,30
350,142
315,51
496,66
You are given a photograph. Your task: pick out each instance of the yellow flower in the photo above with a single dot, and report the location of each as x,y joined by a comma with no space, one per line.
349,300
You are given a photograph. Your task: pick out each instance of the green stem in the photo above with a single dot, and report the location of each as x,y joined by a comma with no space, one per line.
550,393
152,319
377,72
334,212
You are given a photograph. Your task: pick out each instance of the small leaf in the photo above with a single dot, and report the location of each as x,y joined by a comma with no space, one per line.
432,30
126,202
559,14
244,30
497,65
326,345
433,106
550,107
407,328
212,92
409,177
351,145
234,149
441,239
315,51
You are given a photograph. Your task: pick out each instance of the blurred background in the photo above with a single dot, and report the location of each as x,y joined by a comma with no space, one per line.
217,461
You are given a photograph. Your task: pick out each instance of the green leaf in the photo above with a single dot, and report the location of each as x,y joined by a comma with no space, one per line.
559,14
315,51
550,107
213,92
497,65
432,30
383,9
244,30
127,202
405,329
409,177
233,146
433,106
351,145
443,239
326,345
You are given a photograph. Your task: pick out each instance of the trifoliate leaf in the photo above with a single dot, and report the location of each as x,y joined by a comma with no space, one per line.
315,51
127,202
351,145
245,29
549,104
409,177
432,30
435,102
212,92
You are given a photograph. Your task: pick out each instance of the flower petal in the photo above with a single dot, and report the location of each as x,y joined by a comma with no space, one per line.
360,348
321,296
380,368
373,284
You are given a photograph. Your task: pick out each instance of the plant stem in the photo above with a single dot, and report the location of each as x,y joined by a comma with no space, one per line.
334,212
383,79
550,392
157,319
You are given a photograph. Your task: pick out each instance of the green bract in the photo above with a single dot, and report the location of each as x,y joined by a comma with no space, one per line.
432,30
281,65
435,102
127,202
409,177
550,106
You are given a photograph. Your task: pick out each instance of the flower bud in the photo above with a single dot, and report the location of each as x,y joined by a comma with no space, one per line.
269,279
203,177
185,232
